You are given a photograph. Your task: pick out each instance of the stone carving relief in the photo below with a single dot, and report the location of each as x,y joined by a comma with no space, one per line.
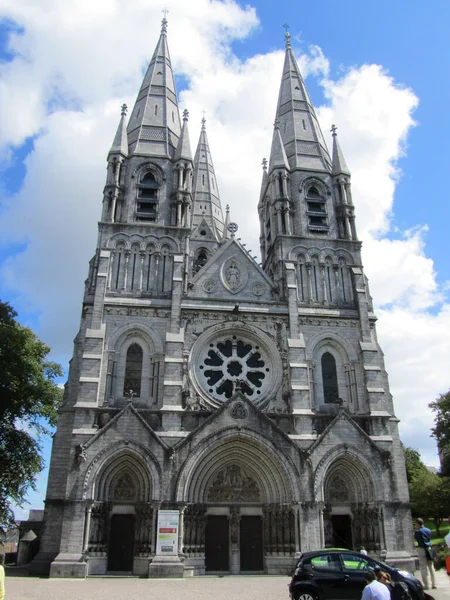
233,275
258,289
209,285
125,489
338,490
239,411
233,484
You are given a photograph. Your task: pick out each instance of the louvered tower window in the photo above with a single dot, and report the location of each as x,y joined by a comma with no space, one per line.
316,211
147,198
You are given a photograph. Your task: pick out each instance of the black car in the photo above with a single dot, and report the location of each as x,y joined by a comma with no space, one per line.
341,575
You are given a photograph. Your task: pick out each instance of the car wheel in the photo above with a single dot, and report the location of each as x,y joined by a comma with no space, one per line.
306,596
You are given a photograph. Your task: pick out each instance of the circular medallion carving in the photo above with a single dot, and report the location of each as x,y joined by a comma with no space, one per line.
258,289
209,285
239,411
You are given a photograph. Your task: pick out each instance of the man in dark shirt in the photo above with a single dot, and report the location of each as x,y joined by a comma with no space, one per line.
422,535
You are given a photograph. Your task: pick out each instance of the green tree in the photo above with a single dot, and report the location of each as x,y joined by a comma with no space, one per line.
29,400
413,463
430,497
441,429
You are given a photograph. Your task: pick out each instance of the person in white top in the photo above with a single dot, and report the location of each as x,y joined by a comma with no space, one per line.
447,537
375,590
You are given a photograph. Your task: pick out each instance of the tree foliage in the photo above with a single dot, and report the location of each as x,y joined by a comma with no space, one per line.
441,429
413,463
430,497
29,400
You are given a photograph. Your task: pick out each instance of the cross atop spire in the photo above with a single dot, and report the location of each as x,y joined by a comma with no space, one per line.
287,35
185,115
123,110
164,20
203,122
333,130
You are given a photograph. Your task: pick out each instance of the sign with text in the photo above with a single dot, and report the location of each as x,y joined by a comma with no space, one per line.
167,538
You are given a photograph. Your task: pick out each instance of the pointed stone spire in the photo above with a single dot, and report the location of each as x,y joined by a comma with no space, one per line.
278,158
120,143
339,164
154,126
183,151
265,178
226,234
207,204
299,128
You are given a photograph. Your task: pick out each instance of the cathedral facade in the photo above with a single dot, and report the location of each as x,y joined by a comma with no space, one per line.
251,400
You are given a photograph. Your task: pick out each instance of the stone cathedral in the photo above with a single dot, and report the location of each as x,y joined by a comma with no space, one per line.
251,398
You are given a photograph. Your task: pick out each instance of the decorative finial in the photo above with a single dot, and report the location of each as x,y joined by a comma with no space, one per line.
124,109
185,115
333,130
277,123
227,208
164,21
287,36
203,122
264,164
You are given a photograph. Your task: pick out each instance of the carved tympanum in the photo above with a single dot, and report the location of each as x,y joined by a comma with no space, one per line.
234,484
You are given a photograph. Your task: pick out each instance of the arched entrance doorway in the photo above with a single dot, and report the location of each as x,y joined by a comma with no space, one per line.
121,520
351,515
240,515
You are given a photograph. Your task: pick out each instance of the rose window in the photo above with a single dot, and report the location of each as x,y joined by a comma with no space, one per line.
234,362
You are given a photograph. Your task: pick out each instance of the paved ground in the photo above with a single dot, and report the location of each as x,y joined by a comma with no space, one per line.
196,588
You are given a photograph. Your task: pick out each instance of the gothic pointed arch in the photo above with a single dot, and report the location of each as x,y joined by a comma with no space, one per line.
121,465
237,467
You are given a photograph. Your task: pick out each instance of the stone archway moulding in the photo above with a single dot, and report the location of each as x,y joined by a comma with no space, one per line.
275,473
345,451
101,459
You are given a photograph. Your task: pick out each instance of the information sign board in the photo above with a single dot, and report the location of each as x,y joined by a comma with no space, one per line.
167,538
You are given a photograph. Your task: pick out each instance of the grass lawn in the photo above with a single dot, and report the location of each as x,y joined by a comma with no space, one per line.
443,530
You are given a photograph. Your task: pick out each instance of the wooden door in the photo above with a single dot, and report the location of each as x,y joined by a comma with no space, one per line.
251,543
217,547
121,543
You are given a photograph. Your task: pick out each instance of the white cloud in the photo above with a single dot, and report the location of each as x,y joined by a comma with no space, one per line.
76,63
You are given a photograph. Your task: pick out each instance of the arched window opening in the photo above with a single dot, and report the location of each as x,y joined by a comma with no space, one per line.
118,267
301,278
329,378
147,200
133,372
316,211
329,280
201,260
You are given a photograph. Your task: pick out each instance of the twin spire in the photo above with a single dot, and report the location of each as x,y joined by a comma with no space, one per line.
298,142
154,129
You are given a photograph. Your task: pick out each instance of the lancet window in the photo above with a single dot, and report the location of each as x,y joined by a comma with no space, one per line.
200,260
329,378
146,271
133,371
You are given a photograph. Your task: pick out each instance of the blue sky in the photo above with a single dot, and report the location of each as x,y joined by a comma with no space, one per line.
376,69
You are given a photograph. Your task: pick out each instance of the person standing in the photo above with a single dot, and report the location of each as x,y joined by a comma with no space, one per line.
2,576
422,535
374,589
447,541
